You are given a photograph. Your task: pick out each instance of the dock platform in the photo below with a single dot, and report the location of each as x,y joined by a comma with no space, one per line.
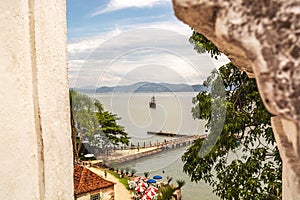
122,156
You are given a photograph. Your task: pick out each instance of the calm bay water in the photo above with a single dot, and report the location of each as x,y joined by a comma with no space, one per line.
172,114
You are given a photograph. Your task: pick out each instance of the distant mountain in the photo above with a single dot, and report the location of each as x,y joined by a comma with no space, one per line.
148,87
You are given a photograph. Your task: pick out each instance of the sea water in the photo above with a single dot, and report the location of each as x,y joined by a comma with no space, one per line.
172,114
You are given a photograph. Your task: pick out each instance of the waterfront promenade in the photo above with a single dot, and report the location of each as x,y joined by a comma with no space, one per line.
126,155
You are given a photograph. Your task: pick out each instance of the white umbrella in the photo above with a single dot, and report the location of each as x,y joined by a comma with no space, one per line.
143,184
140,178
132,184
152,189
150,193
90,155
140,189
146,197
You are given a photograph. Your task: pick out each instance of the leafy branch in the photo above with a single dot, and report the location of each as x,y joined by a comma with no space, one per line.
247,131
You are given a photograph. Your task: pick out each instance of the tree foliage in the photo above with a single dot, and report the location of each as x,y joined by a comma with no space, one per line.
114,132
203,45
244,163
89,120
167,192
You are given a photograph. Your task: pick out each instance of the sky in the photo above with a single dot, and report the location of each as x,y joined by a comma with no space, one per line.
118,42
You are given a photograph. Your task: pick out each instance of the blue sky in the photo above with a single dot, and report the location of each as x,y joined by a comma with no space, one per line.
118,42
89,18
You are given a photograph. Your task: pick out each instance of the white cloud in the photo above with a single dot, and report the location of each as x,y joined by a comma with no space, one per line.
115,5
85,45
175,25
128,58
156,65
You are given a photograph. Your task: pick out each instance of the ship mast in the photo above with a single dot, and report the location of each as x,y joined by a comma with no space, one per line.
152,103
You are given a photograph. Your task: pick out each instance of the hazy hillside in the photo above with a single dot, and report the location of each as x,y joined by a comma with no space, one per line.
145,87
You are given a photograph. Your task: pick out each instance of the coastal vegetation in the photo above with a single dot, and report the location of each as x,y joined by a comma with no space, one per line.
90,122
243,162
166,192
133,171
146,174
162,190
124,179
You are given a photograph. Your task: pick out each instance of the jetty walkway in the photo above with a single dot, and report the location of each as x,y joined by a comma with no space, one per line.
126,155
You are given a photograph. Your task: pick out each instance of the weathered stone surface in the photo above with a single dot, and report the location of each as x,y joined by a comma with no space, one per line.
289,152
261,37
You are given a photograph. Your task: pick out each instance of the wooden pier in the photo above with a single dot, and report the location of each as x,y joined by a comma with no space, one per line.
139,152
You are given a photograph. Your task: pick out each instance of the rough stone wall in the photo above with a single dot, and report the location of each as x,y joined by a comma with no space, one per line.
290,158
261,37
35,140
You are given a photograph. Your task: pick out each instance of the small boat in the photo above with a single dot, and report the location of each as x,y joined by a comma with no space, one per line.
152,103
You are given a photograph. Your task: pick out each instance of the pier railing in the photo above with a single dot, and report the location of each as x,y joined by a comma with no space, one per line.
166,142
150,149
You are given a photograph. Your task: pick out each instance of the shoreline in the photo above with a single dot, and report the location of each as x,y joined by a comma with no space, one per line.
126,155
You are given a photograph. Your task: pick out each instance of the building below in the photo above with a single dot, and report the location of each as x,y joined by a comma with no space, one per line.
90,186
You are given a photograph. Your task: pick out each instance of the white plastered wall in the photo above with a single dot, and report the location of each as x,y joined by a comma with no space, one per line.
35,138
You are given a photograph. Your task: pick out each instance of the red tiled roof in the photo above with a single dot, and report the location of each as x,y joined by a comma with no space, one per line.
86,181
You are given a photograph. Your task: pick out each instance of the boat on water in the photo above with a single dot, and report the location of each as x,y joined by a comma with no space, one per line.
152,103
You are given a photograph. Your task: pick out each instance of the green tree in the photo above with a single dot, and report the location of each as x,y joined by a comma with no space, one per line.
133,171
91,121
167,191
114,132
180,183
127,170
203,45
83,119
169,179
244,163
146,174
